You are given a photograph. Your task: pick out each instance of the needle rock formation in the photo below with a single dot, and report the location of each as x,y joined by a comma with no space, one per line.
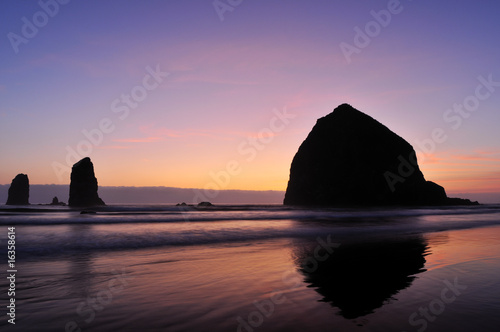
83,186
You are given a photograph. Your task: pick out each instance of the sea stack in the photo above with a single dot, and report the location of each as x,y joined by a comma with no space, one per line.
350,159
55,201
83,187
19,190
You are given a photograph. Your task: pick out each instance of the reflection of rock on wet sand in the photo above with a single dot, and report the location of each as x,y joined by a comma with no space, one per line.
80,265
359,277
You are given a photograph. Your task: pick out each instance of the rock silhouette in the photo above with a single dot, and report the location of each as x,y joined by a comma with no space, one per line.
359,277
19,190
349,159
55,201
83,186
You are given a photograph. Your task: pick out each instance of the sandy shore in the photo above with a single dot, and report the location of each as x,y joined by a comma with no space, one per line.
440,281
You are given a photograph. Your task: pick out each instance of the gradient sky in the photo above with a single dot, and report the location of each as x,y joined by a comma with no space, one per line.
227,80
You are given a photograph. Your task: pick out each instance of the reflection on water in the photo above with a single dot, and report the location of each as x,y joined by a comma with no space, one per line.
80,266
231,286
360,276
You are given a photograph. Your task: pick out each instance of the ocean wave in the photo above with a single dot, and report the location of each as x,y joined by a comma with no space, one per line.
114,214
99,232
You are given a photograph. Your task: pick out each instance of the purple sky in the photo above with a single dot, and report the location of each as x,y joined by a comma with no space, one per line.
237,88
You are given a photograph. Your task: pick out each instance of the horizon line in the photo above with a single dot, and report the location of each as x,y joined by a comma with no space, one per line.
187,188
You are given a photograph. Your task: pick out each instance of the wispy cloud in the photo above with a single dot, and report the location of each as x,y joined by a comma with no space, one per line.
166,133
480,155
162,133
204,77
138,140
485,182
456,170
254,62
463,158
113,147
408,92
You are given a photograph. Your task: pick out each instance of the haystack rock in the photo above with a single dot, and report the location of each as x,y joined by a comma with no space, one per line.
83,187
350,159
19,190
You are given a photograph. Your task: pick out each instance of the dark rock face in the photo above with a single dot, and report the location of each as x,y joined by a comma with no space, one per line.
19,190
83,187
351,159
55,201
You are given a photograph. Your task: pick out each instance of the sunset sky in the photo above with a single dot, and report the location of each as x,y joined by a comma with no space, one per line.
204,94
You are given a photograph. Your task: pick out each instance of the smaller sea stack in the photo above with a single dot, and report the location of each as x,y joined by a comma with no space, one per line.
83,187
19,190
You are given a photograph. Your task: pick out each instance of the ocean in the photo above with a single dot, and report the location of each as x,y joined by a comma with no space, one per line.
250,268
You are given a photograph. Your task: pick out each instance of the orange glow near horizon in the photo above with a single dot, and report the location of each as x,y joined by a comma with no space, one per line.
458,172
269,170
